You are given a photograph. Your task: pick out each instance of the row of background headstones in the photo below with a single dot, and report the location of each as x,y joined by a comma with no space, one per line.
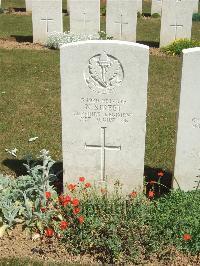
121,19
104,103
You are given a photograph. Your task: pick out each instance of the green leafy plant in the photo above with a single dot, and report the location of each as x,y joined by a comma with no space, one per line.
103,10
155,15
1,10
103,36
196,17
20,197
177,46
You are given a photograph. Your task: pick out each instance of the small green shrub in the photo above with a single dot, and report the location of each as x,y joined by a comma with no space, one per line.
177,46
139,14
103,11
196,17
1,10
155,15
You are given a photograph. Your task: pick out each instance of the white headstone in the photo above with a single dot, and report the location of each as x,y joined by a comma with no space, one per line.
139,5
46,18
121,19
85,16
104,99
68,6
29,5
156,7
195,6
176,22
187,161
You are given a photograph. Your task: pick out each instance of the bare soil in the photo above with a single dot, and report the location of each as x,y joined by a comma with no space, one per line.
12,44
19,244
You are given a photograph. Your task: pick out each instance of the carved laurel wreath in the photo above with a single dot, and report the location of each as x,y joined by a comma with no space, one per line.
104,73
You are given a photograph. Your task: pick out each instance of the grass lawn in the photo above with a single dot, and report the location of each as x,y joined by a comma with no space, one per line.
30,95
30,105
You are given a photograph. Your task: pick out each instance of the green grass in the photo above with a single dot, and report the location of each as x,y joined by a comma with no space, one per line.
21,4
30,105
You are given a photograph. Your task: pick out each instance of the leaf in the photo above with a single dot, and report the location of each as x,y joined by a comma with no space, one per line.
95,72
3,229
32,139
113,71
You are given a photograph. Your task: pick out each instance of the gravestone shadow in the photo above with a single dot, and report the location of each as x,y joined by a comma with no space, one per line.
17,166
20,38
161,185
19,9
150,44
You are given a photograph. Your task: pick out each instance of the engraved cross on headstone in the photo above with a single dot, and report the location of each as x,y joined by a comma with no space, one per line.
47,22
103,147
121,23
176,28
85,20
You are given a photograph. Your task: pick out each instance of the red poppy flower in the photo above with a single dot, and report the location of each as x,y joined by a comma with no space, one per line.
75,202
80,219
76,210
87,185
43,209
63,225
71,187
49,232
160,174
133,194
81,179
187,237
64,200
151,194
48,194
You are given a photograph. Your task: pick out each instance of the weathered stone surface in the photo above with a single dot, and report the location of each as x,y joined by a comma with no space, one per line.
187,162
195,6
139,5
85,16
28,5
121,19
104,98
176,22
68,6
46,18
156,7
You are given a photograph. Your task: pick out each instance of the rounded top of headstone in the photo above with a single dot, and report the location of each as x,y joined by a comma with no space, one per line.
191,50
133,44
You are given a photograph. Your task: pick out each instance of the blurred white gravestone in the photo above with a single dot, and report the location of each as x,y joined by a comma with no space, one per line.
85,16
187,161
195,6
46,18
139,5
104,99
29,5
121,19
68,6
176,21
156,7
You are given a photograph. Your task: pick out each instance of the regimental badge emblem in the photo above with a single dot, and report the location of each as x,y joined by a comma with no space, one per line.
104,73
